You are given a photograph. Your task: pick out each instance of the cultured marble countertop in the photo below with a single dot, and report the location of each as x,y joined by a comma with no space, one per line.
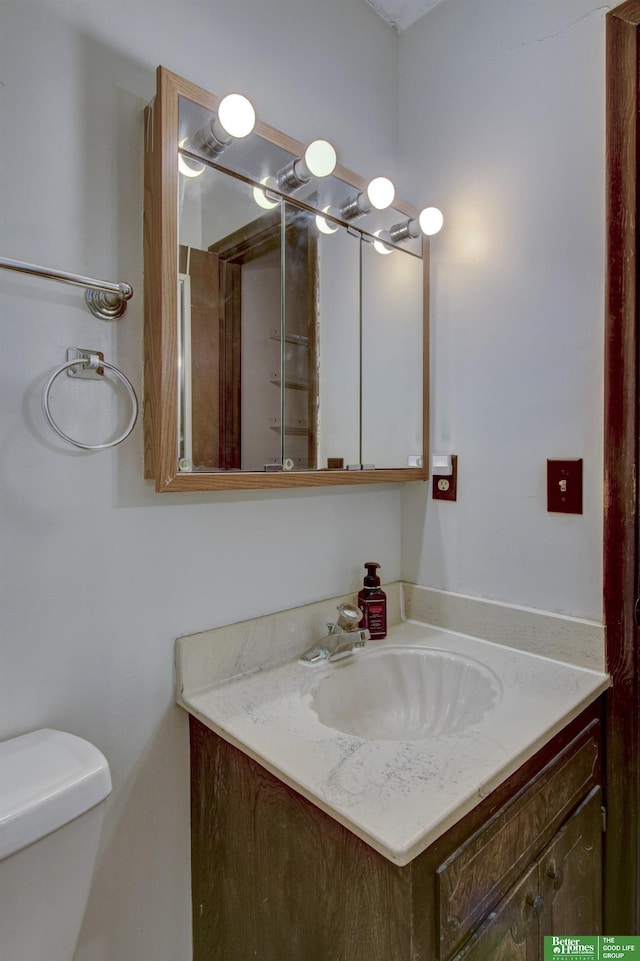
397,796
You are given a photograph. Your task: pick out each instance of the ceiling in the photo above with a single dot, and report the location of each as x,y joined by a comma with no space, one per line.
400,14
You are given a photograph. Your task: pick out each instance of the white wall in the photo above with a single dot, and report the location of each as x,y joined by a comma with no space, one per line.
100,574
502,125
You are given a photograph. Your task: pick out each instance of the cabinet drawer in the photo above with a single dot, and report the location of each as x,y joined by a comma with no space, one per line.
480,872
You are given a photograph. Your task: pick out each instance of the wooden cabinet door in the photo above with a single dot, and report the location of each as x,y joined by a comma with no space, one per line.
571,874
561,893
511,931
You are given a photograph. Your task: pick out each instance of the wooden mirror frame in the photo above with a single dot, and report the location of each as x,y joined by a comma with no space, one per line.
161,308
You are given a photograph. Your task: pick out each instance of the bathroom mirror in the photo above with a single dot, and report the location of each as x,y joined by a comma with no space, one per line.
285,345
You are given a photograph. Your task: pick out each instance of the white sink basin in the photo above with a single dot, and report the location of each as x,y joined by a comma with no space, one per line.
405,693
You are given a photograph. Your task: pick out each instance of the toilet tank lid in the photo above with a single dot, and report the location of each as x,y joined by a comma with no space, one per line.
47,778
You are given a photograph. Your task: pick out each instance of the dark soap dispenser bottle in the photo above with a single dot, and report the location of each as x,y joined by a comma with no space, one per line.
372,601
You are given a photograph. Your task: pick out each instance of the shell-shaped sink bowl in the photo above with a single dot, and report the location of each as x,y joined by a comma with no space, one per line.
405,693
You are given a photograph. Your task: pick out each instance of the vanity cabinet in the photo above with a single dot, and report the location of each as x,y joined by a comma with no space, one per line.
276,878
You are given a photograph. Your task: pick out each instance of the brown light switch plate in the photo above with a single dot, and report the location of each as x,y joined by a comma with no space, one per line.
564,486
445,487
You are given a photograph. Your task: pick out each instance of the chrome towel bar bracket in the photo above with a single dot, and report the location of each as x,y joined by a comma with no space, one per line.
105,300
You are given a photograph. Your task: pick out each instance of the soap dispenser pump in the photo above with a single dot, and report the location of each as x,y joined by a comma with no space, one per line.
372,601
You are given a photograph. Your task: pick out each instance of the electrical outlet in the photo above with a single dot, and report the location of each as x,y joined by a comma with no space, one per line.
445,486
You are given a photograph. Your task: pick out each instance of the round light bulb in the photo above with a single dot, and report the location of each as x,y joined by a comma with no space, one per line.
320,158
381,193
323,225
381,247
430,220
186,166
236,115
261,198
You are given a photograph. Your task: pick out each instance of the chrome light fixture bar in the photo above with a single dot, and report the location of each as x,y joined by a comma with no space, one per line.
236,119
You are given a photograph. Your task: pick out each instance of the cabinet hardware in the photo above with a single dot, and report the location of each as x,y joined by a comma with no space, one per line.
556,875
636,612
603,811
536,904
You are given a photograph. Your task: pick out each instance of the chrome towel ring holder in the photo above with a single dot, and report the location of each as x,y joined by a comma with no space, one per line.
88,364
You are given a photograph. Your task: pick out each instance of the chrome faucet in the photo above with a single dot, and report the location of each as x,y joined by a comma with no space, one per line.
343,640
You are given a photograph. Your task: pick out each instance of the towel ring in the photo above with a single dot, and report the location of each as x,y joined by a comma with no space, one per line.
90,362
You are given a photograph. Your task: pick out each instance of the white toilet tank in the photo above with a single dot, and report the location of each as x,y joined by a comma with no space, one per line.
51,788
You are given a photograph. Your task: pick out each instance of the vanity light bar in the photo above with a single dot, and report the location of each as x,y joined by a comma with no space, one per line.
236,119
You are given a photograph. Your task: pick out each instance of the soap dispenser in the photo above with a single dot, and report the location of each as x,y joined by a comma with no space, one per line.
372,601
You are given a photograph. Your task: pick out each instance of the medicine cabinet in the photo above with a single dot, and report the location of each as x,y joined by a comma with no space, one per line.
285,345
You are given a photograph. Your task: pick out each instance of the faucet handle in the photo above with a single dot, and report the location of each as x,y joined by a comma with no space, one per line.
349,616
